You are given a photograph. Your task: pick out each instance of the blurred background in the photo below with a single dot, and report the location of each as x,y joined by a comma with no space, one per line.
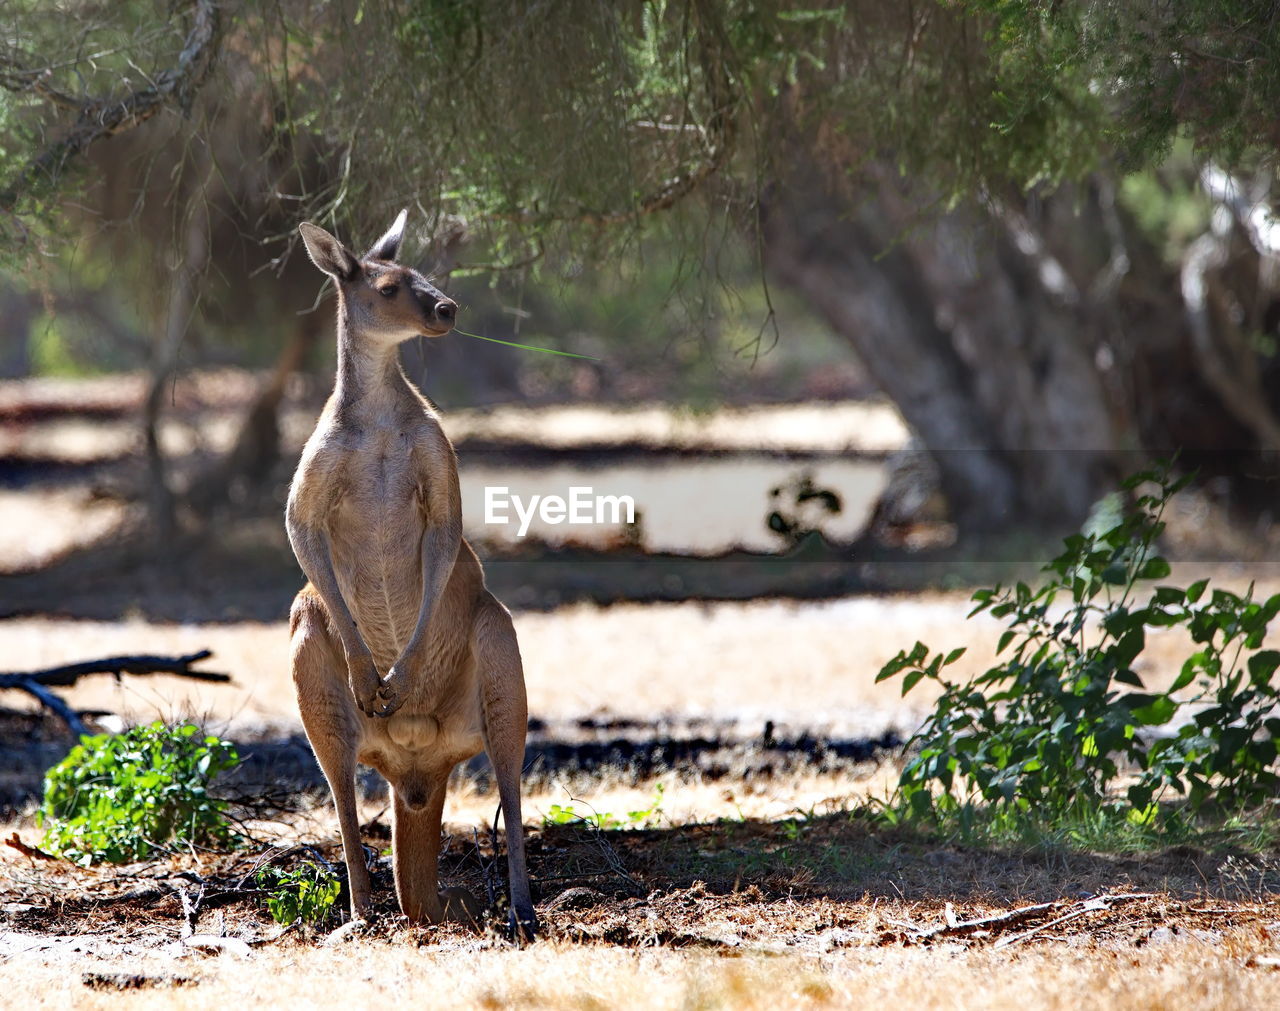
875,297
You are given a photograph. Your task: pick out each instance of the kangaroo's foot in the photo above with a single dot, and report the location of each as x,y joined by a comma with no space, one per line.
361,899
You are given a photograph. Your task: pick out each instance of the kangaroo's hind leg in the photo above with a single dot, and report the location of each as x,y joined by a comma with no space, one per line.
415,844
331,721
506,721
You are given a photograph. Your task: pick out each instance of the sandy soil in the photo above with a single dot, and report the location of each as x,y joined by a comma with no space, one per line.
814,912
807,662
872,426
754,890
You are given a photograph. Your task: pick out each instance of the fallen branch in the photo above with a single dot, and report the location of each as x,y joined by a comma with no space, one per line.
68,674
27,850
957,928
38,683
50,701
1102,902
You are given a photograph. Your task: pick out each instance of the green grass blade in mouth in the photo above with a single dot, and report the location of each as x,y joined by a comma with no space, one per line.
524,347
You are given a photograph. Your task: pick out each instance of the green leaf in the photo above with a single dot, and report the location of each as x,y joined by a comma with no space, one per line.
1130,645
1157,713
1154,568
1116,574
524,347
893,667
1190,667
1262,665
1196,590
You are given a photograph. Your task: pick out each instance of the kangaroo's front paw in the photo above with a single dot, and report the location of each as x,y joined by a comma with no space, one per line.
365,683
392,692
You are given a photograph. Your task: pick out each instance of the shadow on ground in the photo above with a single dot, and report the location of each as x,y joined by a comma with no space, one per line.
807,884
276,767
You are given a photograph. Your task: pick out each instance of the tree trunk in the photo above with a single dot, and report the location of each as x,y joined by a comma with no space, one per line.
974,329
15,339
192,255
245,470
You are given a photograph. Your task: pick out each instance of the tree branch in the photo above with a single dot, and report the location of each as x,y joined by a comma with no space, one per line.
68,674
38,683
1231,370
106,117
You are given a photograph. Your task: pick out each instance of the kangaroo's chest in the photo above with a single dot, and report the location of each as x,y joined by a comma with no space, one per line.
375,530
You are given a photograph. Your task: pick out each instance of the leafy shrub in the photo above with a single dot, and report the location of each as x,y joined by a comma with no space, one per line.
122,797
306,893
799,509
1049,732
568,814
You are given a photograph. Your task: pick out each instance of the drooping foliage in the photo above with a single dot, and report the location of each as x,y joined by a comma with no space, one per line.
523,120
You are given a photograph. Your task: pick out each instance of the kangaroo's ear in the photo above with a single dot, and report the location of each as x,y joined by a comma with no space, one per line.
388,247
328,253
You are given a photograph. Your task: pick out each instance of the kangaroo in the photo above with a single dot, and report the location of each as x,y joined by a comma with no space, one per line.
375,519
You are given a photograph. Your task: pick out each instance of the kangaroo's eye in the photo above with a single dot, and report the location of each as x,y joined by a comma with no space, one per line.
389,290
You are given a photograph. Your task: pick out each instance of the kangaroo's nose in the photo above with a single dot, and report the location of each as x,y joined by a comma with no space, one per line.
446,310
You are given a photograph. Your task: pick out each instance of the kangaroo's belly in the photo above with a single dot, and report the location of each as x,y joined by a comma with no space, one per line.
377,558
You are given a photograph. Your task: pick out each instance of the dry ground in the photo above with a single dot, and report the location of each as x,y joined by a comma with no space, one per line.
750,887
816,912
769,659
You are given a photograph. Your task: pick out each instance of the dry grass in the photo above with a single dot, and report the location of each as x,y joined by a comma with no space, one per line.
1186,975
824,913
785,902
809,662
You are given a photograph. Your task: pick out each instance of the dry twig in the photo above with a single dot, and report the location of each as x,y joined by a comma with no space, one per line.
106,116
38,683
14,842
958,928
951,927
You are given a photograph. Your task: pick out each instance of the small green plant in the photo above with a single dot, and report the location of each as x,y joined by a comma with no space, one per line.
569,814
123,797
1049,734
306,893
800,508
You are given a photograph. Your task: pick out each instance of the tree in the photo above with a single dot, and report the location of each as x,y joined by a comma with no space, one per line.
943,180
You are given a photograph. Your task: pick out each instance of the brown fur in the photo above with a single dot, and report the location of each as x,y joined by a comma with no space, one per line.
402,659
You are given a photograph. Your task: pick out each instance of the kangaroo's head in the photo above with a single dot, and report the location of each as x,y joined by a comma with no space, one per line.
384,300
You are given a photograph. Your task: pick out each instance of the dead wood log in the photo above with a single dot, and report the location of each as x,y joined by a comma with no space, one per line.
951,927
1101,903
68,674
38,683
32,852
